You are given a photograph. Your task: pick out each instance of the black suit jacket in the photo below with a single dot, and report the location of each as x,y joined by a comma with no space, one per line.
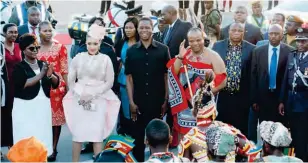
221,47
252,33
177,35
21,73
22,30
158,36
260,73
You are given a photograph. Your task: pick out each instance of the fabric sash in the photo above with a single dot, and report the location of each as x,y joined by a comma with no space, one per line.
179,95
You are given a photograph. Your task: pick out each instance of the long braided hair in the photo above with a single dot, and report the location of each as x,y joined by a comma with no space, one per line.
199,100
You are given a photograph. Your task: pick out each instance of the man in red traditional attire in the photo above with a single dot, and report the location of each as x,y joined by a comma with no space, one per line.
191,65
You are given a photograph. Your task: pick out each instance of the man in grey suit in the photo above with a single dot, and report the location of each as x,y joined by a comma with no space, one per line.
252,33
267,71
233,101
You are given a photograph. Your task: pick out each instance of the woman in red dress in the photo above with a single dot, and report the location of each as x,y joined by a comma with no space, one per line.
54,53
12,57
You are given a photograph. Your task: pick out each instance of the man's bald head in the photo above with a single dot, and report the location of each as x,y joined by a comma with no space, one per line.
169,14
275,34
236,25
236,32
170,9
275,28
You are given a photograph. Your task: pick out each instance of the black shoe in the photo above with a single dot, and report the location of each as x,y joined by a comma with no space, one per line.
87,149
52,157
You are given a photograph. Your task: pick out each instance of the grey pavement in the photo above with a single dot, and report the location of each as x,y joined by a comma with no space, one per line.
63,11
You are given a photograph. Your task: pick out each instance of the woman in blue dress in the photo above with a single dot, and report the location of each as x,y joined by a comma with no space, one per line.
130,38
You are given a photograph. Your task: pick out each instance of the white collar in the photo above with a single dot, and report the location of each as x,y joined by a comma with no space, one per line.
271,46
30,26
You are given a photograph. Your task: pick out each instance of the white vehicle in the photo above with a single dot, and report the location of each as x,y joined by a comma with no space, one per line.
290,7
6,7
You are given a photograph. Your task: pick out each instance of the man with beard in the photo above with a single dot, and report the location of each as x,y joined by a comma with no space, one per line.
19,13
32,25
146,82
233,101
251,33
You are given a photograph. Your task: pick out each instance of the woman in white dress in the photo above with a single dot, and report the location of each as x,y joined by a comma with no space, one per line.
33,80
91,108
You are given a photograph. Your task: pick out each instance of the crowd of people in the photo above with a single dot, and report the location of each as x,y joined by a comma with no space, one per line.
212,85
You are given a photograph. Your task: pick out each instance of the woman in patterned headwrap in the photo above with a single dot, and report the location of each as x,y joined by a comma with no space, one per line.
193,145
275,137
220,141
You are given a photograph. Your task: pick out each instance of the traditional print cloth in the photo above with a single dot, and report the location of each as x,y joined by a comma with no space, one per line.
197,138
233,62
57,56
220,141
279,159
165,157
179,95
275,134
28,150
123,145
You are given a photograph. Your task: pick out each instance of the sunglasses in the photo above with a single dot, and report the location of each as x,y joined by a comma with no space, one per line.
34,47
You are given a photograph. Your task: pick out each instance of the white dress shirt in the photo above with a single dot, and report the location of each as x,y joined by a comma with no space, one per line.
270,54
36,31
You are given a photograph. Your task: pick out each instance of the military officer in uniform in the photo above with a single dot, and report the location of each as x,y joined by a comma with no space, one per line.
294,94
293,23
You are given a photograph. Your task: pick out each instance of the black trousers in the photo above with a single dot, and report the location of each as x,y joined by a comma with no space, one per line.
105,5
269,107
196,7
299,133
138,133
233,109
270,3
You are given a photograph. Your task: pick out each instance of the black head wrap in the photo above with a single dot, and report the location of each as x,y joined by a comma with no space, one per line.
26,40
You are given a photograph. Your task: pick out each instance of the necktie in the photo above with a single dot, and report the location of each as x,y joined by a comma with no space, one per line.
273,69
166,39
33,30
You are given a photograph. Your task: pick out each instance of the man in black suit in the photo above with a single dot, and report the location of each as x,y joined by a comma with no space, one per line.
34,19
252,33
233,101
158,36
267,71
177,30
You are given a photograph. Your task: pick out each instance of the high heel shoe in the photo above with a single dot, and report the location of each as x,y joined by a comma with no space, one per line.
52,157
